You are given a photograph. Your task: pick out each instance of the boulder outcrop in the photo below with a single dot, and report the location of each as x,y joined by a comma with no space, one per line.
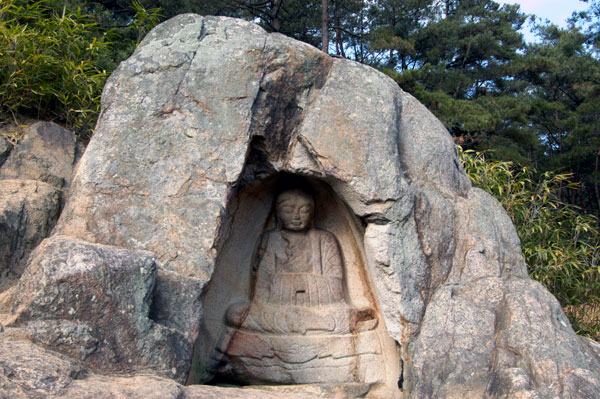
28,211
199,129
92,302
32,184
47,153
31,372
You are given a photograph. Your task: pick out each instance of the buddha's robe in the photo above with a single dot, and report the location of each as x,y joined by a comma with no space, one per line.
299,286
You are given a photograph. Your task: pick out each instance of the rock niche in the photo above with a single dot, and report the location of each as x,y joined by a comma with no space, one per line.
294,305
252,211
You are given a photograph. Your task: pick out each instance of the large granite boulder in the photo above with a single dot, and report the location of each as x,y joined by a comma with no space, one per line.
92,302
198,129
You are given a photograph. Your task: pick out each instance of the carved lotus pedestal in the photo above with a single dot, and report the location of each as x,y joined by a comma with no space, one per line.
305,359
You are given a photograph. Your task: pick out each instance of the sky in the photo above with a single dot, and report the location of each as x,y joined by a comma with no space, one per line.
557,11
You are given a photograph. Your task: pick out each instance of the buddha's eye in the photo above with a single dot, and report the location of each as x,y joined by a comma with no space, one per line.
287,209
305,209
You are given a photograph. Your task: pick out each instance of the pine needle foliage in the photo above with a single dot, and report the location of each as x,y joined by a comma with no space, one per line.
560,243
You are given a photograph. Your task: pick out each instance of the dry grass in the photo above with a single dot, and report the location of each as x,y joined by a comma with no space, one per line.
14,130
588,315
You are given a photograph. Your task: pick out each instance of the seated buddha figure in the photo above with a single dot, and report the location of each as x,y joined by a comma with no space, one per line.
298,274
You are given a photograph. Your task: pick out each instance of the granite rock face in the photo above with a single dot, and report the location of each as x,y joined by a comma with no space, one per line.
28,211
5,148
92,302
31,192
30,372
197,127
47,153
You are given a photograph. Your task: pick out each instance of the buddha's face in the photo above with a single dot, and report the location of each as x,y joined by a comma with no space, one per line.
295,210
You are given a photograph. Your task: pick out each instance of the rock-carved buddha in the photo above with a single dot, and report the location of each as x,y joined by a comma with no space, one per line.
299,322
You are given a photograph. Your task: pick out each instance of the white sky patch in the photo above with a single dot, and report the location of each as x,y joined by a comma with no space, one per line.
556,11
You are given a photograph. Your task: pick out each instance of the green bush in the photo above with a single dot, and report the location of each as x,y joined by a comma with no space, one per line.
561,245
53,65
49,63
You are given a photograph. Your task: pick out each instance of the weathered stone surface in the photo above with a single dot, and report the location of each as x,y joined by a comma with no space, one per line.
5,148
491,331
177,302
197,128
30,372
92,302
31,196
28,211
47,153
501,338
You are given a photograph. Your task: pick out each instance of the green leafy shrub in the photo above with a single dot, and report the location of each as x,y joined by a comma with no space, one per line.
561,245
53,65
49,63
143,20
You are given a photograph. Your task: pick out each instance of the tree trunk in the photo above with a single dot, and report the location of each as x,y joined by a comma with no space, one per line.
325,27
339,43
596,178
275,15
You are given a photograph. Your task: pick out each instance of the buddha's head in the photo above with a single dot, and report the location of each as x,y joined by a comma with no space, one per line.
295,209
